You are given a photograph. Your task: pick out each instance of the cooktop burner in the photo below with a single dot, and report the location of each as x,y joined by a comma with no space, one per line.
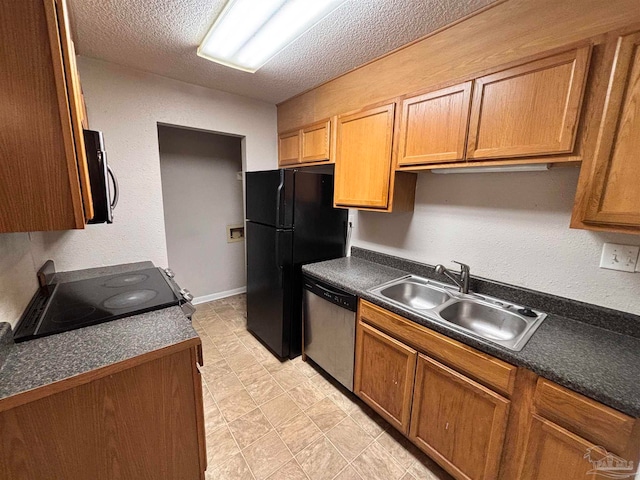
126,280
66,306
130,299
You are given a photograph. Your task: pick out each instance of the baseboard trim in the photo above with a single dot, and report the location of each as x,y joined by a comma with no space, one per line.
219,295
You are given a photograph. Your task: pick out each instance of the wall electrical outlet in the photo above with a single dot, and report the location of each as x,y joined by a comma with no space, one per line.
619,257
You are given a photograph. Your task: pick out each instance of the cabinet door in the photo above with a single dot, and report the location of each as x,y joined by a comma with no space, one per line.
457,421
554,453
433,128
363,158
615,195
289,148
315,142
384,374
532,109
76,104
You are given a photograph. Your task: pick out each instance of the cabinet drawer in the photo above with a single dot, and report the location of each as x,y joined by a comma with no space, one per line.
489,371
589,419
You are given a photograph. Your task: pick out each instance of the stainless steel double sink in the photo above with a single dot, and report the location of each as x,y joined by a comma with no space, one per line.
478,316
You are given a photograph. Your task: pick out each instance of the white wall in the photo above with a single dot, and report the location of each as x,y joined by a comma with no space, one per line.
201,196
511,227
127,105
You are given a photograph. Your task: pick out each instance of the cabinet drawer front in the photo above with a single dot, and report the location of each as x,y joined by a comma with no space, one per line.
494,373
433,128
583,416
384,374
528,110
458,421
315,142
363,158
289,148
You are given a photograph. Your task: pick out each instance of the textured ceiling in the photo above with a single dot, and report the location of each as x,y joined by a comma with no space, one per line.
161,36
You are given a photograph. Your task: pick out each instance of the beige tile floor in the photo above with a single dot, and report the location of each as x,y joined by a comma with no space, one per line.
267,419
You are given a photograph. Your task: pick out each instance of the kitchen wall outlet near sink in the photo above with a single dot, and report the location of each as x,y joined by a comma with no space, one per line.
619,257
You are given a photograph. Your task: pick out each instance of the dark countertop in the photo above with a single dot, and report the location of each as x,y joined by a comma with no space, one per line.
601,364
36,363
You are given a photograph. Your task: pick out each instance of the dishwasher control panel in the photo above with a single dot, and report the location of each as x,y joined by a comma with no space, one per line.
331,294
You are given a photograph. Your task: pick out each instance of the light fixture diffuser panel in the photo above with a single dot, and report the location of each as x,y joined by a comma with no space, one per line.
248,33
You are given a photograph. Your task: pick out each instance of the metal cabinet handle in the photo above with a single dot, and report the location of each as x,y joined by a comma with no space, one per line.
116,194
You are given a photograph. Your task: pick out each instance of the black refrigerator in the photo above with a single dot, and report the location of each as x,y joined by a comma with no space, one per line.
290,221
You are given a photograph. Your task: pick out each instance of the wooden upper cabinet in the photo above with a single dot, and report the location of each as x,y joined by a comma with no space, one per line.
310,144
614,178
363,158
458,422
76,104
316,142
289,148
43,178
384,374
528,110
433,127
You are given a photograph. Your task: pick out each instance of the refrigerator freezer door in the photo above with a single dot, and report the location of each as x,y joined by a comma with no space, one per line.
270,197
320,229
269,285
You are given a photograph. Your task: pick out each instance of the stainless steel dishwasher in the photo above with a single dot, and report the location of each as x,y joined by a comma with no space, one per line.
329,317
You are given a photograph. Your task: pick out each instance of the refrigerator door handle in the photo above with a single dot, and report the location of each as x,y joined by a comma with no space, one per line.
279,201
278,259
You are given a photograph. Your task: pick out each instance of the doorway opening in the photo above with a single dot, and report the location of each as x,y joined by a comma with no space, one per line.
202,194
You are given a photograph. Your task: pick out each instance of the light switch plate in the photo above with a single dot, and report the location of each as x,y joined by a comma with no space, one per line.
619,257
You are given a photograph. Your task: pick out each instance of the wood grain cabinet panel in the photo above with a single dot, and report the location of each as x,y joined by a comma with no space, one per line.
76,104
614,179
289,148
384,375
583,416
316,142
458,422
141,422
529,110
554,453
363,158
433,127
43,178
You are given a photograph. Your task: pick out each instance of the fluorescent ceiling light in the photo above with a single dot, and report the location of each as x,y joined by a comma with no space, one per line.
532,167
248,33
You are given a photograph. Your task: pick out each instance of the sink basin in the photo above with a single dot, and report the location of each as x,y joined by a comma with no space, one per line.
474,315
415,295
489,322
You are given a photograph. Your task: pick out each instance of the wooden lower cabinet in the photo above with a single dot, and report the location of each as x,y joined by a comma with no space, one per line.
458,422
141,422
554,453
384,375
446,402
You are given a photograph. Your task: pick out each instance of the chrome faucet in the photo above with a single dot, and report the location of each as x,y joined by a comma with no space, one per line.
463,283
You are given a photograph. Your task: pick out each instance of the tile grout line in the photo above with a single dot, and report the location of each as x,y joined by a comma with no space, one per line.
234,329
259,407
227,423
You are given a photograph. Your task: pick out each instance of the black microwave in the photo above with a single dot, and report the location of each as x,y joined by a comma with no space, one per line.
104,185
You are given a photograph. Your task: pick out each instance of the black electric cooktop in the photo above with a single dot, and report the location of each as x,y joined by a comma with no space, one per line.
60,307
